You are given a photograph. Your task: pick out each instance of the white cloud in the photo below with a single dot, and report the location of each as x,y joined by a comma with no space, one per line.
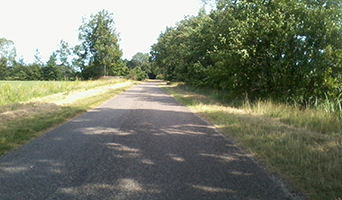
41,24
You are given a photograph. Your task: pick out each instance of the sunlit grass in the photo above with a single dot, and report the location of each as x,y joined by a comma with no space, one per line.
314,119
296,144
20,130
20,91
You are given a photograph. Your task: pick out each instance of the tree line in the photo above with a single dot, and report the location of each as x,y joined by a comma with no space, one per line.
97,55
11,69
286,50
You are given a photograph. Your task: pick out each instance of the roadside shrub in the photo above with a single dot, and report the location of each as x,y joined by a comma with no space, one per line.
137,74
160,77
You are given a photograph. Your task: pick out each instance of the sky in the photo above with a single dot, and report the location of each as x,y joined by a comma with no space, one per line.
42,24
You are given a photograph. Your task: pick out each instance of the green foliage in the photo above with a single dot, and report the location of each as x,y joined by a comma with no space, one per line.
182,52
99,52
29,72
97,55
142,61
51,71
138,60
63,53
160,77
3,68
137,74
7,49
117,68
7,57
286,50
38,58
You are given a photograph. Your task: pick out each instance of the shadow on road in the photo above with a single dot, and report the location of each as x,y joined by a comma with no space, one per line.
152,149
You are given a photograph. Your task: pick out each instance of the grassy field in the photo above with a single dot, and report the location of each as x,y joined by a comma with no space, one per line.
304,147
25,121
20,91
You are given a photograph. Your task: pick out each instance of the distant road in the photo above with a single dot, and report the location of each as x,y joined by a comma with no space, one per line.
141,144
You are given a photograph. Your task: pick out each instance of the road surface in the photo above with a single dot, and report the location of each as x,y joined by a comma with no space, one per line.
141,144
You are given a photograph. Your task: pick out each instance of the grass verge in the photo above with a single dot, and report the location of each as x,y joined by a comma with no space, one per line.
20,91
309,160
20,131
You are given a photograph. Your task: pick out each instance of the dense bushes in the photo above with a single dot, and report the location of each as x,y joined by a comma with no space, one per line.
287,50
137,74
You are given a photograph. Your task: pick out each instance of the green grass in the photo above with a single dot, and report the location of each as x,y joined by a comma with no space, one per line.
316,119
296,144
20,91
19,131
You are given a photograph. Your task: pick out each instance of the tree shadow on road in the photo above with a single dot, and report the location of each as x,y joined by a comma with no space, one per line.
145,153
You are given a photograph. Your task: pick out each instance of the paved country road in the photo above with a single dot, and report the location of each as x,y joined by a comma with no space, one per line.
141,144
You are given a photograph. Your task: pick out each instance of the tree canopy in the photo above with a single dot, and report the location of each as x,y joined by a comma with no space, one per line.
288,50
140,67
138,60
98,54
7,56
99,49
7,49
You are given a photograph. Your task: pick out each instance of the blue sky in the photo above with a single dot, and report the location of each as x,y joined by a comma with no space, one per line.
41,24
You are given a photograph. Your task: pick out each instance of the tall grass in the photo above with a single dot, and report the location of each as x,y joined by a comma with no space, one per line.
21,91
304,146
324,116
331,105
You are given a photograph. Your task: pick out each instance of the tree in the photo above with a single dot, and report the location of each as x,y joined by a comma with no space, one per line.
7,57
38,58
52,71
19,71
99,54
137,74
7,49
286,50
32,71
181,53
142,60
277,49
3,68
138,60
64,54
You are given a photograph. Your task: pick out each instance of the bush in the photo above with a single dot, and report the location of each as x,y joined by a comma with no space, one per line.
137,74
160,77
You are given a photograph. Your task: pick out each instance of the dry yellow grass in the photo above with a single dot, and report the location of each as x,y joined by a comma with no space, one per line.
50,103
22,122
309,160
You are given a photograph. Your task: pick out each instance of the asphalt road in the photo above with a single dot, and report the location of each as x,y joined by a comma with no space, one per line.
141,144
